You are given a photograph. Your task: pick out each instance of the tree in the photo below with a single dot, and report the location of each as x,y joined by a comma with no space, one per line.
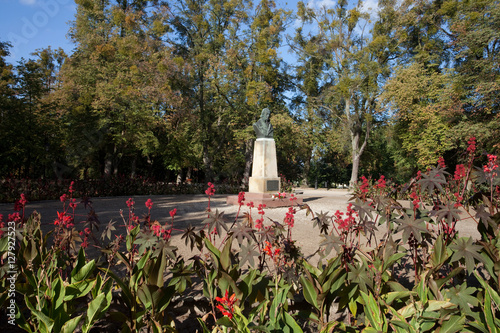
117,86
347,65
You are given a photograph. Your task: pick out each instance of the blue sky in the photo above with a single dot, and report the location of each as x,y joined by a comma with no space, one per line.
35,24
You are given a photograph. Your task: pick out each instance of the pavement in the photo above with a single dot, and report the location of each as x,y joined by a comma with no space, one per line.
192,210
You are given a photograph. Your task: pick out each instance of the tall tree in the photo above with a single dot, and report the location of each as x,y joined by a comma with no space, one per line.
116,85
348,64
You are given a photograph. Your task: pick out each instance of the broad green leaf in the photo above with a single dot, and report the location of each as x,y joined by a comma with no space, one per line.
310,293
94,311
225,256
464,248
70,325
291,323
372,311
411,226
452,325
46,323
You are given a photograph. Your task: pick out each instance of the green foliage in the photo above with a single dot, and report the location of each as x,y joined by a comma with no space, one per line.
420,276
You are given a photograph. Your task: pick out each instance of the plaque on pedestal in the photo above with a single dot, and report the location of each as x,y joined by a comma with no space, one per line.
265,168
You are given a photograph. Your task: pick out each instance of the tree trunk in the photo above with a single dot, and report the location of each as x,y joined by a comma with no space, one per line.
207,164
108,165
133,167
356,130
248,162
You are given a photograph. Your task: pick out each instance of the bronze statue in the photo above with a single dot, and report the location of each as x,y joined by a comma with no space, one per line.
263,127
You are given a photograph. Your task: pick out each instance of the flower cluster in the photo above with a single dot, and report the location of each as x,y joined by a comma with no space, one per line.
64,220
441,162
149,204
133,219
471,149
289,217
19,204
258,222
130,203
415,199
364,186
491,166
279,195
85,234
268,249
226,305
344,224
241,198
173,212
210,190
381,182
459,172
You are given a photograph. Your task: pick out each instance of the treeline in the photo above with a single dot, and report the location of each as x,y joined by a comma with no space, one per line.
170,90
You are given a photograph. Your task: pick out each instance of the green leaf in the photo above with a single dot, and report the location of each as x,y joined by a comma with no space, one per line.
464,248
292,323
46,323
225,256
70,325
439,254
372,311
411,226
248,253
433,180
216,221
463,296
310,293
452,325
94,311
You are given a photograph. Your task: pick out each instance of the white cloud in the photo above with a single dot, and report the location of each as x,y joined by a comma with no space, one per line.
370,7
28,2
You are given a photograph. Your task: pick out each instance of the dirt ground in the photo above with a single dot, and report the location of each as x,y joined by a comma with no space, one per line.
191,210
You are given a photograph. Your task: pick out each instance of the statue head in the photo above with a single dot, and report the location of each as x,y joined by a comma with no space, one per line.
263,127
265,114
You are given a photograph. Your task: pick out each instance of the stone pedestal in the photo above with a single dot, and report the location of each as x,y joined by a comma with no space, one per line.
264,168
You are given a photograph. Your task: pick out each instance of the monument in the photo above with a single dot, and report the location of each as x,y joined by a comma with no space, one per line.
264,184
264,177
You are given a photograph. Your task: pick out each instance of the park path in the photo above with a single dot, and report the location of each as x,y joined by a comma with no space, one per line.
191,210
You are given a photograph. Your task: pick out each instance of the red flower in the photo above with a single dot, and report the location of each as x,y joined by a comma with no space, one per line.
71,187
149,203
491,166
156,229
289,217
250,204
441,162
365,185
381,182
414,196
472,145
241,198
258,223
2,225
73,203
173,212
63,197
14,217
459,172
226,305
130,202
210,190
